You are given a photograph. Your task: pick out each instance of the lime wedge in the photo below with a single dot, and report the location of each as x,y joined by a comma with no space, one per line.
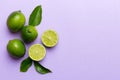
49,38
37,52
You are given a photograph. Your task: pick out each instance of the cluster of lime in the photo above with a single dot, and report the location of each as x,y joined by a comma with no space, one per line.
16,47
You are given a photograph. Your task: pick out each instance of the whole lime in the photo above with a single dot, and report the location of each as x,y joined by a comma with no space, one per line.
29,34
16,48
16,21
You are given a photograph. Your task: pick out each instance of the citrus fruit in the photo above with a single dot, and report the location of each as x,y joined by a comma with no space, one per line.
16,48
49,38
37,52
16,21
29,34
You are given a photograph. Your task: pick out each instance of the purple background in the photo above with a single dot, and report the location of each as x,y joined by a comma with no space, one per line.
89,39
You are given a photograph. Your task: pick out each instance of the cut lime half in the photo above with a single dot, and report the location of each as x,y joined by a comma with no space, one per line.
49,38
37,52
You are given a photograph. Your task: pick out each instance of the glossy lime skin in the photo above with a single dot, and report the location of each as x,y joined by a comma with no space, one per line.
16,21
29,34
16,48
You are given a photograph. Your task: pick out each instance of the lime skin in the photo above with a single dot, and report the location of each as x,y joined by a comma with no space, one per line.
16,21
16,48
29,34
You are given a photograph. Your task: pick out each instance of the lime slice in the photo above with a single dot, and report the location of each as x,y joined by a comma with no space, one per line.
49,38
37,52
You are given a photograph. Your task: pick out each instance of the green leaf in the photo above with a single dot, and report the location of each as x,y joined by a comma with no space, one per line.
25,65
36,16
41,69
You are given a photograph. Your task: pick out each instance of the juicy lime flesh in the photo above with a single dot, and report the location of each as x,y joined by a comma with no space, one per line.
37,52
16,48
49,38
16,21
29,34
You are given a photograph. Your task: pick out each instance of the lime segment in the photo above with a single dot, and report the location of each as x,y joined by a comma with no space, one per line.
37,52
49,38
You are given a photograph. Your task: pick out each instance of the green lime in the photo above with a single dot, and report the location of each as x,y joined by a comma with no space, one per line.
16,48
29,34
16,21
37,52
49,38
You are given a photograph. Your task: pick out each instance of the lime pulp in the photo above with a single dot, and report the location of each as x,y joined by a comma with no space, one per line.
37,52
49,38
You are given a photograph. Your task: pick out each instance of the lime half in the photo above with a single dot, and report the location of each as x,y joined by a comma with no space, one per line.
37,52
49,38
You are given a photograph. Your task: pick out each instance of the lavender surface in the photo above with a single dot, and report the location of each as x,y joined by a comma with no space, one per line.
89,39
